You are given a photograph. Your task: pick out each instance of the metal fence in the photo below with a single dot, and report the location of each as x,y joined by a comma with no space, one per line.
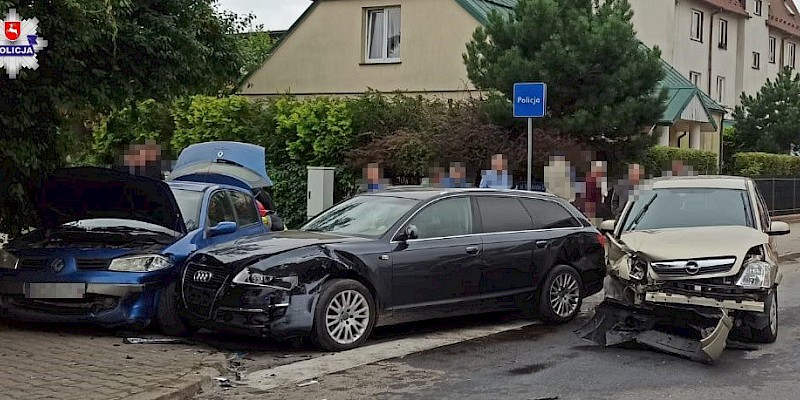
780,194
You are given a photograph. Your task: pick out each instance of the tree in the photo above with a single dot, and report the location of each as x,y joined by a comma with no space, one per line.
769,121
601,82
102,55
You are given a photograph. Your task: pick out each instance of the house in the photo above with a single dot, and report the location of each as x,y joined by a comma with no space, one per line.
347,47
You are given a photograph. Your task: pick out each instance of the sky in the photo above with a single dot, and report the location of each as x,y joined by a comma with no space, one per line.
276,15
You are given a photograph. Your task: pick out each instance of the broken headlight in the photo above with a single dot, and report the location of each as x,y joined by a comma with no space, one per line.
756,275
259,278
637,268
8,260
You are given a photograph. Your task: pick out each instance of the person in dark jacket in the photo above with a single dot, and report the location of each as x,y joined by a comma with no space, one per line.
625,189
143,160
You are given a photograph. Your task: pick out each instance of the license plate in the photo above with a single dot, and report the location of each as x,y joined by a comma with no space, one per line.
55,290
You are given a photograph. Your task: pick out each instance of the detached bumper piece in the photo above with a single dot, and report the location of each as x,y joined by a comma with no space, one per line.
683,331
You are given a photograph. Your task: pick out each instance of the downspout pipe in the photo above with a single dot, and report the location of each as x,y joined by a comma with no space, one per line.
711,47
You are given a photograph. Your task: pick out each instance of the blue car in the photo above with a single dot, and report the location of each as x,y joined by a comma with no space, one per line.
112,244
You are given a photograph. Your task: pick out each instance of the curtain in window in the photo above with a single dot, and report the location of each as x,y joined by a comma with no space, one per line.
393,33
376,36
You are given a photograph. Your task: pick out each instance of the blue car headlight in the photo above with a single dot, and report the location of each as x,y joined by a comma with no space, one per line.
8,260
259,278
152,262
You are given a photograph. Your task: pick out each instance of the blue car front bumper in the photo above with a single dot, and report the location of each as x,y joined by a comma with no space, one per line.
105,304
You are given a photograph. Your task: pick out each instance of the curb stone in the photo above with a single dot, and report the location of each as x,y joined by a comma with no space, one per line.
189,385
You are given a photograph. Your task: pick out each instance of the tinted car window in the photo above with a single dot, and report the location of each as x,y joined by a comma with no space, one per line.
245,206
219,209
449,217
686,208
503,214
549,214
762,210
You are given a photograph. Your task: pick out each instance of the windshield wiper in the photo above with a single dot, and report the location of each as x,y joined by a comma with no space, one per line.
642,211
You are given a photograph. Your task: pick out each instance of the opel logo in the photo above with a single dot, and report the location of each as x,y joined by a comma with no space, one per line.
203,276
57,265
692,267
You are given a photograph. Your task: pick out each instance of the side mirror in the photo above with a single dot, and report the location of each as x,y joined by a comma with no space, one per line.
778,228
408,234
608,225
222,228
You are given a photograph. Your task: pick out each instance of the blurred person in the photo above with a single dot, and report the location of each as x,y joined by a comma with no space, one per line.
457,177
679,168
143,159
593,189
559,178
497,177
373,177
626,189
437,176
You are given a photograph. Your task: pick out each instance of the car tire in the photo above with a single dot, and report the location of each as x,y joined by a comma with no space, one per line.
769,334
168,319
561,295
344,315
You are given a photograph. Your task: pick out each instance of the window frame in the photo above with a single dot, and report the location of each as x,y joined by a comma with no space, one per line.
368,12
773,49
792,55
699,76
756,60
696,28
720,89
723,34
758,8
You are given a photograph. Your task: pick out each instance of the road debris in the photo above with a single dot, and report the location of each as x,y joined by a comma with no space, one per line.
136,340
309,383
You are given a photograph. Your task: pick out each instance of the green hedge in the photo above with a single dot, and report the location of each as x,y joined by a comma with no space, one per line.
765,164
659,159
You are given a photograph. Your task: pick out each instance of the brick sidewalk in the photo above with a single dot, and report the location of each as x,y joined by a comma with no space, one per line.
40,363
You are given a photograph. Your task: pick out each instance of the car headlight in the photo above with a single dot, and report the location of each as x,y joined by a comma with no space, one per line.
637,268
140,263
8,260
259,278
756,275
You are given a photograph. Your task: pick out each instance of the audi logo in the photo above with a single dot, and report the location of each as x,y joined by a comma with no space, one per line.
203,276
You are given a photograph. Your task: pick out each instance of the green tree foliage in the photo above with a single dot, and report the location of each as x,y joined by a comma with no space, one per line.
770,120
601,83
765,164
148,119
101,55
317,131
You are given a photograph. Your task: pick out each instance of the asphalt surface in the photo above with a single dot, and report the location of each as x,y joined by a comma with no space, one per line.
549,362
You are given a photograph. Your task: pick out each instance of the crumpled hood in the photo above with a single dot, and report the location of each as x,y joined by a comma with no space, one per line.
270,244
693,243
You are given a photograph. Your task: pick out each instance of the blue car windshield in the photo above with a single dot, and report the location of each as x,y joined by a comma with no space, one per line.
189,202
369,216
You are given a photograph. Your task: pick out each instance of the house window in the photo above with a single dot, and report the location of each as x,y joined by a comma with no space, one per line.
772,46
759,5
791,60
694,77
723,34
383,35
697,25
720,89
756,60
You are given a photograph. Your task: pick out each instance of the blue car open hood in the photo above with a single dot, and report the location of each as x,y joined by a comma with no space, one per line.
229,163
72,194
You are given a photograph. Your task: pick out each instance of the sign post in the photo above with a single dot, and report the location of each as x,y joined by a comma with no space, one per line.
530,101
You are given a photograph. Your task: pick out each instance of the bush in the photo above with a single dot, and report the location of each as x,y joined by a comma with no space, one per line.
765,164
316,131
658,159
145,120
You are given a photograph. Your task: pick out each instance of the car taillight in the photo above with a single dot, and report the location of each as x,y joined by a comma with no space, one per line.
601,239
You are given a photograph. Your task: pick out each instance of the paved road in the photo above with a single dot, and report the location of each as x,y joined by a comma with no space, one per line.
542,362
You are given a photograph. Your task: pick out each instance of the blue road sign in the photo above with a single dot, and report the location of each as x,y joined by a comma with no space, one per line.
530,100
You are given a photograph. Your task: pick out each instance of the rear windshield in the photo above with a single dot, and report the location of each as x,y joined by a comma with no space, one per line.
688,208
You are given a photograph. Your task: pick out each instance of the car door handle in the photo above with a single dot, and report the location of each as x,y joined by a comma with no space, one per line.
542,243
472,249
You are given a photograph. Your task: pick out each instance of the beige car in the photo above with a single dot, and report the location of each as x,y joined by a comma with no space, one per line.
690,262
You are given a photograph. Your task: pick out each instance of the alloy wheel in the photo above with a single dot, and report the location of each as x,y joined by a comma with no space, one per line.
564,295
347,317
